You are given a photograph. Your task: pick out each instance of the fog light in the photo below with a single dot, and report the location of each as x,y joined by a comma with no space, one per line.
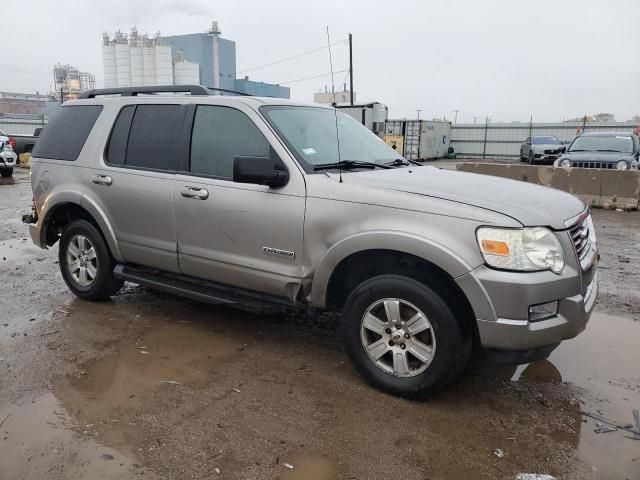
543,311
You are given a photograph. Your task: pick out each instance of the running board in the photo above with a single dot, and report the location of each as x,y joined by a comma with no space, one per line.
203,291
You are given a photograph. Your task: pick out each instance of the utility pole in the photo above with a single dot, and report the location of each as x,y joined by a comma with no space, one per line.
484,145
418,113
455,119
530,124
351,67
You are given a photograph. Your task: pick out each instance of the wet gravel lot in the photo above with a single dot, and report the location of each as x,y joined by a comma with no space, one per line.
154,386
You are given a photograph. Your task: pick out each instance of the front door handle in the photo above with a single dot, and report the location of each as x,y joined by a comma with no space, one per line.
102,180
195,193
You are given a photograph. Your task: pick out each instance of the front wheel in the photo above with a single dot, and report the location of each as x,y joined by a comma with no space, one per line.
86,262
402,337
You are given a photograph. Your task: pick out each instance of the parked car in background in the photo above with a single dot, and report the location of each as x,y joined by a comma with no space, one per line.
25,143
541,149
8,157
252,202
610,150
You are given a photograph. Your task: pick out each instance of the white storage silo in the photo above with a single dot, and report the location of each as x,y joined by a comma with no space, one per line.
164,65
186,73
149,62
123,65
137,67
109,66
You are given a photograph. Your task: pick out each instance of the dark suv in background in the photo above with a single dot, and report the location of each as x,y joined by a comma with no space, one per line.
610,150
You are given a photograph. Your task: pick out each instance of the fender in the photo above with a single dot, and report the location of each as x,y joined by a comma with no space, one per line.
78,198
429,250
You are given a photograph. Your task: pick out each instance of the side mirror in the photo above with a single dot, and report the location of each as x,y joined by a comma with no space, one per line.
563,148
258,170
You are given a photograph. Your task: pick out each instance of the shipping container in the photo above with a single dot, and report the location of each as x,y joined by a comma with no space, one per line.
371,115
422,139
396,142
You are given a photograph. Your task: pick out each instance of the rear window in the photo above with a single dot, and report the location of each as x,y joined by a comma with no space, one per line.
64,136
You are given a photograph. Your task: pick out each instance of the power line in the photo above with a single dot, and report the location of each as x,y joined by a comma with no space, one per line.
17,69
311,78
291,58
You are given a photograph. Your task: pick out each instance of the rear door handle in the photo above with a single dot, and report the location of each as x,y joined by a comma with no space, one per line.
102,180
195,193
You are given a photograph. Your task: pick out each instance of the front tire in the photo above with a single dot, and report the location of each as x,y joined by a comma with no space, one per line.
86,263
402,337
6,172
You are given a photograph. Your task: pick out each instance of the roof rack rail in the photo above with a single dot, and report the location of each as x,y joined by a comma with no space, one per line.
150,90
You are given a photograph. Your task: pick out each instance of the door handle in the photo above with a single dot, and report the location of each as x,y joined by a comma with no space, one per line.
102,180
195,193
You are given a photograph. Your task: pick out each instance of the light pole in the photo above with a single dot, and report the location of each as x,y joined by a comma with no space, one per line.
455,119
418,113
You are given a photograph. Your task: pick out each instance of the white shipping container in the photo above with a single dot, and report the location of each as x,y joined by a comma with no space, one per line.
434,139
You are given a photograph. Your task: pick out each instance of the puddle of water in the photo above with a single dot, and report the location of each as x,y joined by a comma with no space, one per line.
311,469
605,361
17,248
113,391
37,441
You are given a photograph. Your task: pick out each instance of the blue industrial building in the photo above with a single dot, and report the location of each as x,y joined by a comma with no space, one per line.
217,59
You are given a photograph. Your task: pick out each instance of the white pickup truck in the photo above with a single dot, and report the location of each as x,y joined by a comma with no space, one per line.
8,157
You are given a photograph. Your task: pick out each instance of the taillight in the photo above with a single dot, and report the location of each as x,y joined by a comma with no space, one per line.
12,142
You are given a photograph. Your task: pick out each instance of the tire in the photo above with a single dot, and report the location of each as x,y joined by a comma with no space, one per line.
83,242
531,159
6,172
450,348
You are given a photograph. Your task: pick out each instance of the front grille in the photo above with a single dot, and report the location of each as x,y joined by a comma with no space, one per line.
581,238
552,152
592,164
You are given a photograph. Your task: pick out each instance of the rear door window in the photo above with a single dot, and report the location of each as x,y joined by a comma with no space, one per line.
155,137
117,148
219,135
66,133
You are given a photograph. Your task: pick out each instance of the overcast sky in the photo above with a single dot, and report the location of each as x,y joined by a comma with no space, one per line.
552,59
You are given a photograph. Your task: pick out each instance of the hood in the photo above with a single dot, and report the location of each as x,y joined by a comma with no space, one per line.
529,204
605,157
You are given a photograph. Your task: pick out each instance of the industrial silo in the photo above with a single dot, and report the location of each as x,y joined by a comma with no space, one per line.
123,61
137,64
109,66
164,65
186,73
149,62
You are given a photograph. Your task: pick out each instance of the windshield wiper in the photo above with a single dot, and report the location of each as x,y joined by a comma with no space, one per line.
349,164
609,150
401,162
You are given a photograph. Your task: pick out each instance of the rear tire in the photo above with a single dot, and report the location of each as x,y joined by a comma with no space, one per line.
6,172
441,348
86,263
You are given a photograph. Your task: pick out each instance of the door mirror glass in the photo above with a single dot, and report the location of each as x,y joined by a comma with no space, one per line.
258,170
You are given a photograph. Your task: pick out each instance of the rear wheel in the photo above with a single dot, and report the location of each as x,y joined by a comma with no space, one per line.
6,172
402,337
86,262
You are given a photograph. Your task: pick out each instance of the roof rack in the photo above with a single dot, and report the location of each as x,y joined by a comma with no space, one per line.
198,90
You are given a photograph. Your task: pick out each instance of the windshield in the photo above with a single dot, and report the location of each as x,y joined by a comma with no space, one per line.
311,133
609,143
546,141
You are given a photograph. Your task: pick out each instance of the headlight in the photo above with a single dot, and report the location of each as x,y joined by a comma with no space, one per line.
621,165
566,163
522,249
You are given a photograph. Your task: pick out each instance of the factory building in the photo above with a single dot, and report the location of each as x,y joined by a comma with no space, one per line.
197,58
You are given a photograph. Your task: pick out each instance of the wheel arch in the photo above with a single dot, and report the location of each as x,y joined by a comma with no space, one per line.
67,208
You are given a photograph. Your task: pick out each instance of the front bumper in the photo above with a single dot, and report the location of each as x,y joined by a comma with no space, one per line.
8,158
36,235
501,302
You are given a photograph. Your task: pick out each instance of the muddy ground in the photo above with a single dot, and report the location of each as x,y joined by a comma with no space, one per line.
154,386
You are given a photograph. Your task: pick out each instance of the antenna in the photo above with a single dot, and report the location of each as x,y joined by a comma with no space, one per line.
335,110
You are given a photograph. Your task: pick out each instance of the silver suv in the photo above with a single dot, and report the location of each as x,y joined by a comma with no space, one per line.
266,204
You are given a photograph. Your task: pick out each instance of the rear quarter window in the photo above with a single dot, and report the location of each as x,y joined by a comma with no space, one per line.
67,131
